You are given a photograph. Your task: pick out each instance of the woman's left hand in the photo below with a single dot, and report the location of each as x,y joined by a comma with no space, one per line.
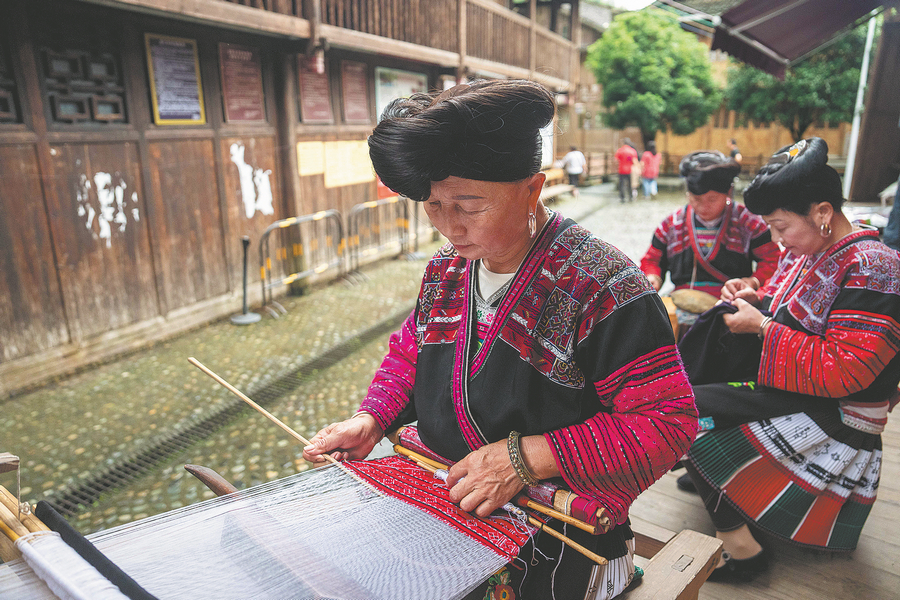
484,480
747,319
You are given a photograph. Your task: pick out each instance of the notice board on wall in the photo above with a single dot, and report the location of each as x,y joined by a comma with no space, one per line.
242,87
315,93
176,91
355,88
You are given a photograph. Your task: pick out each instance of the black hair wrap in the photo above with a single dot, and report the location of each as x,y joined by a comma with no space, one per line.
708,170
794,178
487,131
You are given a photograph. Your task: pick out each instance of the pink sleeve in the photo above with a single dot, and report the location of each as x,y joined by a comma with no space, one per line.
614,456
392,387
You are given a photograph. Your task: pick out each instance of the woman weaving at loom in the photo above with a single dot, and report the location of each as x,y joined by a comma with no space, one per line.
710,240
797,452
535,352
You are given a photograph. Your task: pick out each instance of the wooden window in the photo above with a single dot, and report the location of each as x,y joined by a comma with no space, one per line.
81,73
9,112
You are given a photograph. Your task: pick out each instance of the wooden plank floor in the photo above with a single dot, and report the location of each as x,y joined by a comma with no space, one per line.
871,572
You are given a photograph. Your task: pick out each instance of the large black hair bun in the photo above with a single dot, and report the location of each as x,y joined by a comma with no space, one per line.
794,178
486,130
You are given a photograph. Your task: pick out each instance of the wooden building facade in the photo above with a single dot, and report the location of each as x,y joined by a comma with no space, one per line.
140,140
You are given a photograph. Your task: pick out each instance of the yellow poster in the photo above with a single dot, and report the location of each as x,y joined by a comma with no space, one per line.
347,163
310,158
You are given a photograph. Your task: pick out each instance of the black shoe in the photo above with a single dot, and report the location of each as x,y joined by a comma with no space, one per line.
741,571
677,466
686,484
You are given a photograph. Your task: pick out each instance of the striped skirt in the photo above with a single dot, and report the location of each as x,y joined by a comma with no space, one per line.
804,477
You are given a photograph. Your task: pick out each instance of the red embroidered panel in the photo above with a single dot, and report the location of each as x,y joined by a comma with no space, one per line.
400,478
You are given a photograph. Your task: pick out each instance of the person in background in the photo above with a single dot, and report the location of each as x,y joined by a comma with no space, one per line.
892,229
797,452
574,164
535,351
626,156
650,170
712,239
734,152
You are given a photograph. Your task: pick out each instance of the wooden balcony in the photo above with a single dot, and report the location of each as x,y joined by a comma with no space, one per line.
473,36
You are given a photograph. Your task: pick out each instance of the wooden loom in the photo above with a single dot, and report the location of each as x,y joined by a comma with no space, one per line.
678,564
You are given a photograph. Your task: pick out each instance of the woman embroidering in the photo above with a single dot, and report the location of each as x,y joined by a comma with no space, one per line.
797,453
712,239
536,351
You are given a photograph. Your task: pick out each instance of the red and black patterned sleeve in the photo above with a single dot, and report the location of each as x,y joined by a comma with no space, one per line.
647,417
861,336
392,387
656,260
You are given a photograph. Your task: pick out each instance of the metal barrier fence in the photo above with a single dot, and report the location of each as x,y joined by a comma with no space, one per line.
304,246
376,226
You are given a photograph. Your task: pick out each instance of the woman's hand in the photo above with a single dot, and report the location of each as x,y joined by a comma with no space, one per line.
655,280
350,439
747,319
484,480
743,288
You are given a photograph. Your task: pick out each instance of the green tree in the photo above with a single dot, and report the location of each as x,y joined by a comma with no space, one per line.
820,88
654,75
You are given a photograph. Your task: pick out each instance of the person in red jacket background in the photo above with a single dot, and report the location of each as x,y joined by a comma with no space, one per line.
627,156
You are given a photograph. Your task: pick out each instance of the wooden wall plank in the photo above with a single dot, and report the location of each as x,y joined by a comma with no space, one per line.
31,312
103,247
253,195
188,222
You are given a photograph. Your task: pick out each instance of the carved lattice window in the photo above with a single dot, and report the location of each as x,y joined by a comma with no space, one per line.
82,75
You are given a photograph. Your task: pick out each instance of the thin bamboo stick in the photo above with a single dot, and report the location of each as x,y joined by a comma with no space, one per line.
255,406
278,422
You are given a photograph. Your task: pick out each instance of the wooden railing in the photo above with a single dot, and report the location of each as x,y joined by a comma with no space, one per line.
492,32
431,23
553,55
496,34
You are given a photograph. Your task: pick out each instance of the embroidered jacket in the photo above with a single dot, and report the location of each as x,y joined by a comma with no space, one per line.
742,238
580,351
836,332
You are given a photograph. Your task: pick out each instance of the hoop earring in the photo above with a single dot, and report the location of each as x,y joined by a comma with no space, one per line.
825,229
532,224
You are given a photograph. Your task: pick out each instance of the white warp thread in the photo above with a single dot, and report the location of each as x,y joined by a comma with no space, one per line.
62,570
318,534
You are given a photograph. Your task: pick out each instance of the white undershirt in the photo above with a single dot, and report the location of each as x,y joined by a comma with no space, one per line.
489,282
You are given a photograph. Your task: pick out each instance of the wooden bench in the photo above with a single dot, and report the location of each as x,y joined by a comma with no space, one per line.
675,564
555,184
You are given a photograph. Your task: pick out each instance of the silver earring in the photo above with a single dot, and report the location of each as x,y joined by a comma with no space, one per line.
532,224
825,229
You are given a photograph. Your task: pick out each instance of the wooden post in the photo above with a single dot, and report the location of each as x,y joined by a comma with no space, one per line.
463,32
532,38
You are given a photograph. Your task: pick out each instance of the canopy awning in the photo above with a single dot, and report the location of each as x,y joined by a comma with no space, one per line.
772,34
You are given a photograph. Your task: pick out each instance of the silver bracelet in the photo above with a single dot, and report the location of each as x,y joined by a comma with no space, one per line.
515,458
762,327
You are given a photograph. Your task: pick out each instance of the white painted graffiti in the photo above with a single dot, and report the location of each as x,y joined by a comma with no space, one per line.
256,189
114,207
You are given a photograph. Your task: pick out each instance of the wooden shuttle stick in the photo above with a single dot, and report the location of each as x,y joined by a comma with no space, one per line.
255,406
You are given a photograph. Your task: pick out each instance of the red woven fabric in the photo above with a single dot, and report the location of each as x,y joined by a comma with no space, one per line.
401,478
